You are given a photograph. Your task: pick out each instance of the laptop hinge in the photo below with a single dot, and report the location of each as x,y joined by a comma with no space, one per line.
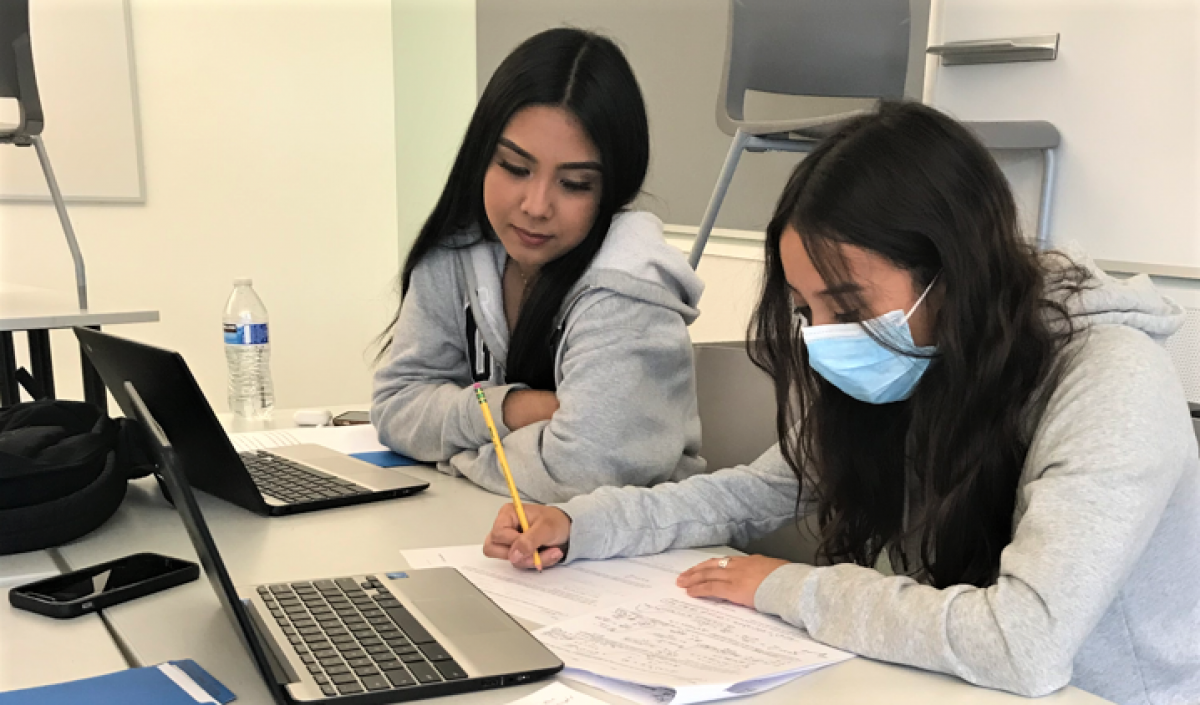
281,669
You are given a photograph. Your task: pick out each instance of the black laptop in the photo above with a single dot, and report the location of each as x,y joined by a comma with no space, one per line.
360,639
275,482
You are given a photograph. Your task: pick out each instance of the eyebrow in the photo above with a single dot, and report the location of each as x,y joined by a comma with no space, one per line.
594,166
846,288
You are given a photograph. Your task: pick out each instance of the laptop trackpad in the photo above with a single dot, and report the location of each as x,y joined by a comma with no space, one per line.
345,466
460,618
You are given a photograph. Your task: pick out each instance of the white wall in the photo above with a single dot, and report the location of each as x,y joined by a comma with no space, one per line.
434,58
81,49
732,277
269,143
1122,93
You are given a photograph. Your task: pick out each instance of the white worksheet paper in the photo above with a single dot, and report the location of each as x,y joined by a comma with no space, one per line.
360,438
558,694
648,695
684,650
566,591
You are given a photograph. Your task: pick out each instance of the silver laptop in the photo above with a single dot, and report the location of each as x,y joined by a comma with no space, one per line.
379,638
277,482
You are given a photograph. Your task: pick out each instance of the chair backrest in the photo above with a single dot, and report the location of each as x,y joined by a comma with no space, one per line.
17,78
737,414
1184,348
828,48
736,403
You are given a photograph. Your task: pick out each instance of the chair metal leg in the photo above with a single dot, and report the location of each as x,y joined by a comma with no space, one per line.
1049,168
94,390
9,391
61,207
39,360
714,204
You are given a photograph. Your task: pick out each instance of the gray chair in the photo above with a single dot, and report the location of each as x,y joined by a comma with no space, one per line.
17,80
737,416
1184,348
831,49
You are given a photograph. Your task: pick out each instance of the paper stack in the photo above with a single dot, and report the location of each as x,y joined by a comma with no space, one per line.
344,439
360,441
622,625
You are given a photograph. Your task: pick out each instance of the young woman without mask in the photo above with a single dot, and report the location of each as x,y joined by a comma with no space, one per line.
531,277
1002,425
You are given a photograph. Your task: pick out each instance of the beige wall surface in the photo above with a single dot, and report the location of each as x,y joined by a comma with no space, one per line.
269,145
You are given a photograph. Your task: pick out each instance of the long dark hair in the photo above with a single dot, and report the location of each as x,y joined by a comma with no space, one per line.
916,188
587,75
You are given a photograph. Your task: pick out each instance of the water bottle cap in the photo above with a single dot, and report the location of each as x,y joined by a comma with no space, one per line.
245,281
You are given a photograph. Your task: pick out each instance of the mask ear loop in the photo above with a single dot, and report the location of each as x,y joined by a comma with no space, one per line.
923,295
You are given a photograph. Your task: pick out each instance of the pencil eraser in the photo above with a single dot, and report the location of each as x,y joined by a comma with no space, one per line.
312,417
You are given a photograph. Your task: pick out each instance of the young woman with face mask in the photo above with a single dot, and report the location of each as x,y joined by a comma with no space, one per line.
1002,425
531,277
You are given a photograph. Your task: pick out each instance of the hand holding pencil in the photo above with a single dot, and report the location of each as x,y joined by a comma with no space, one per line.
512,486
547,537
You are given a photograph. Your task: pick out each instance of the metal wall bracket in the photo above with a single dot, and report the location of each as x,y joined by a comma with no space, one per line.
997,51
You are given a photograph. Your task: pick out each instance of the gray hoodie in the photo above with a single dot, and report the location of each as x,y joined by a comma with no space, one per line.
626,386
1100,587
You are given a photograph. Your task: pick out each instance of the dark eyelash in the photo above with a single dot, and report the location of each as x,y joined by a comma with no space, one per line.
578,186
849,317
575,186
514,169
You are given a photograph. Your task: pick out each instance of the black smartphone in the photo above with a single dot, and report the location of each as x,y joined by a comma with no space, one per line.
90,589
352,418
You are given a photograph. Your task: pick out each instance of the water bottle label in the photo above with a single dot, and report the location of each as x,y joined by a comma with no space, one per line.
246,334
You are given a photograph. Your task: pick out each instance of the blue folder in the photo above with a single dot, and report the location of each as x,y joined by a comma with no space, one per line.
385,458
136,686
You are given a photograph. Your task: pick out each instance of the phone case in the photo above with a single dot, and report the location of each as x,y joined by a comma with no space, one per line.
22,597
344,420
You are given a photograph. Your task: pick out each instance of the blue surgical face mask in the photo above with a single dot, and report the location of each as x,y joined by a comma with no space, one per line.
854,362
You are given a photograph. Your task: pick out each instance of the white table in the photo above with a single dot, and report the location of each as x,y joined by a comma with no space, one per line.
187,621
37,650
37,312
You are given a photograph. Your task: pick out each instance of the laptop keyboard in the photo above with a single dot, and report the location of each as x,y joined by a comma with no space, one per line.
356,637
295,483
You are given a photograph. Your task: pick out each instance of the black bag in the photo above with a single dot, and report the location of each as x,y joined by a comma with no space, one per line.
64,466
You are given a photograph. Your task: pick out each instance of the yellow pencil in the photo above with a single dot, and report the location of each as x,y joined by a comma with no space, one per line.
512,486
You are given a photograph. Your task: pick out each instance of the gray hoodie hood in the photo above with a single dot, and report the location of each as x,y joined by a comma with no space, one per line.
1133,302
635,261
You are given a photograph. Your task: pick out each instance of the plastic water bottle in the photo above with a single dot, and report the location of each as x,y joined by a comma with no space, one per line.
248,353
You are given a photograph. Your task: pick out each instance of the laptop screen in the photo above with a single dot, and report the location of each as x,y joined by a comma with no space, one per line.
189,511
166,386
